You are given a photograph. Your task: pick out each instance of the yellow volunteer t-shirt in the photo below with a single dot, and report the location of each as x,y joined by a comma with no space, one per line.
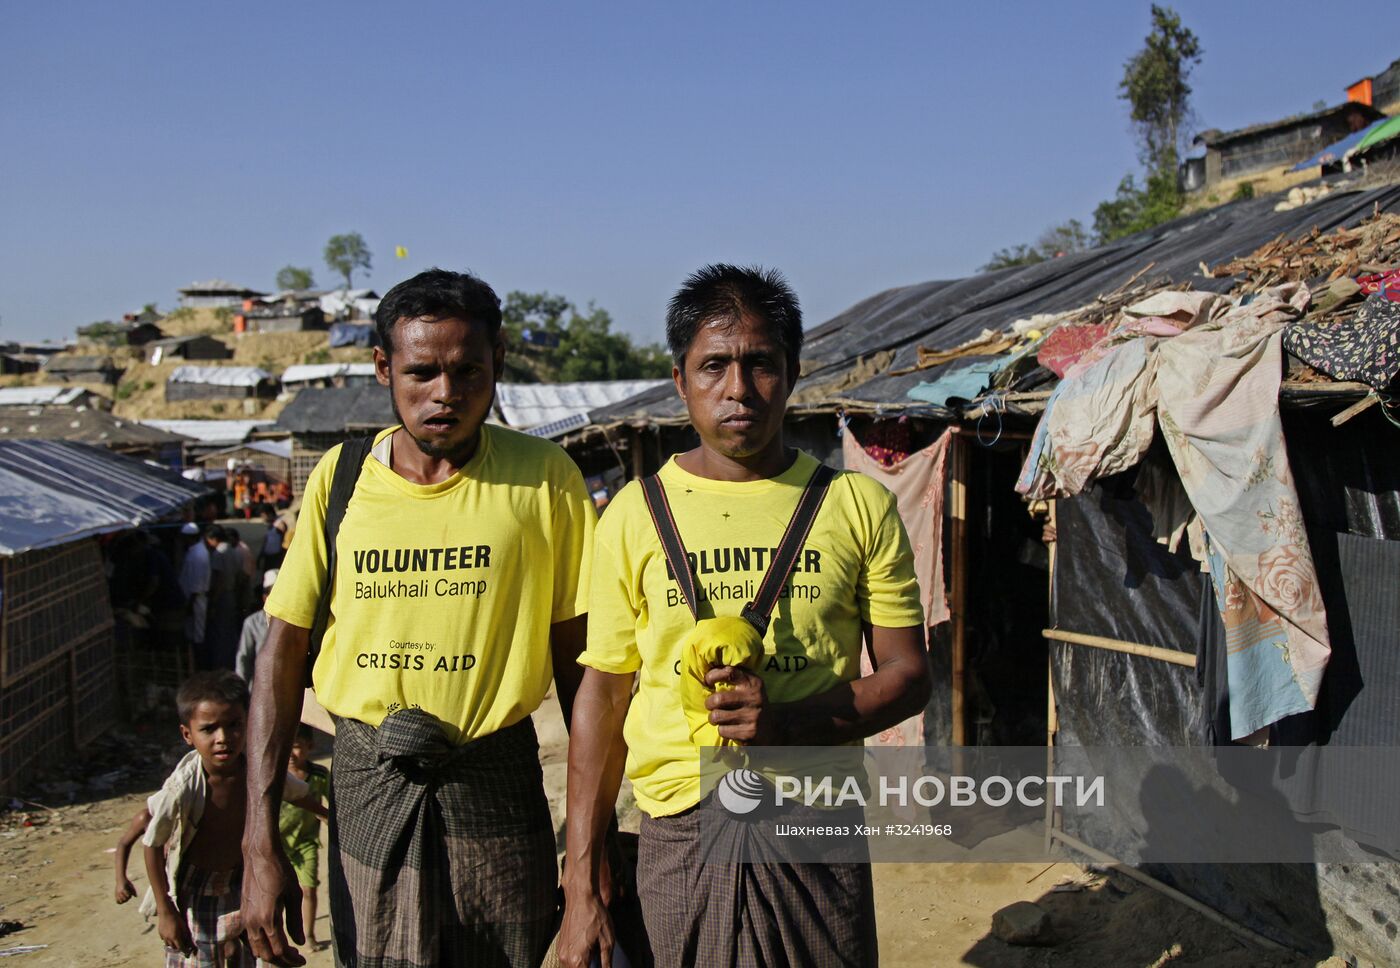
444,593
855,567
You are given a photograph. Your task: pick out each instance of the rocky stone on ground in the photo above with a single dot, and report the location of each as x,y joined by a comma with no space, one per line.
1023,923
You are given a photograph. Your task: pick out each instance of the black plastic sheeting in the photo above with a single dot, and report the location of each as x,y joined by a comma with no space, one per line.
945,313
1113,580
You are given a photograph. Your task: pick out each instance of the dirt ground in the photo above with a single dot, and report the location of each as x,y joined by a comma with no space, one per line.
56,878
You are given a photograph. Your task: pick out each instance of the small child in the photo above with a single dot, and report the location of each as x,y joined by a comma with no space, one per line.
301,828
193,844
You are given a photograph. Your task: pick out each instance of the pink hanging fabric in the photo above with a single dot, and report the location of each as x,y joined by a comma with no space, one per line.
917,484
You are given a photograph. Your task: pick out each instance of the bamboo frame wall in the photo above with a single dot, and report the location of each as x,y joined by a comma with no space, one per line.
56,656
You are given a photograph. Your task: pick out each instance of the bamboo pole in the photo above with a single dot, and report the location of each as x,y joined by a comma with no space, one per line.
1108,860
1052,716
1118,645
958,502
638,461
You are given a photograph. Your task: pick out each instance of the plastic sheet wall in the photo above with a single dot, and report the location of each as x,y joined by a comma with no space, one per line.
1113,580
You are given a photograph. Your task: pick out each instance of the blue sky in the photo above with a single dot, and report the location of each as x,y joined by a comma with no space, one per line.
600,151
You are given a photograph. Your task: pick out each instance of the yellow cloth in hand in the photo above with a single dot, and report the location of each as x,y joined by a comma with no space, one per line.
723,641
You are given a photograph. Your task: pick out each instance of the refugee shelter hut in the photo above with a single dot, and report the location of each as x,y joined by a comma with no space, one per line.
552,409
50,395
193,347
58,658
278,318
82,369
1277,144
214,293
203,436
91,426
349,305
133,330
319,418
303,376
13,364
362,335
219,383
1380,90
269,458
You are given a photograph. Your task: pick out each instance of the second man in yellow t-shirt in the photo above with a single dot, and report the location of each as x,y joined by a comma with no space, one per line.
735,335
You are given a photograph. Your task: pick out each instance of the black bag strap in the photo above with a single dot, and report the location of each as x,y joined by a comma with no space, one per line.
346,476
756,612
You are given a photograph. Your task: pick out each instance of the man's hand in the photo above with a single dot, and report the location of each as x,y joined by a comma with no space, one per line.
741,712
173,930
271,894
587,930
125,889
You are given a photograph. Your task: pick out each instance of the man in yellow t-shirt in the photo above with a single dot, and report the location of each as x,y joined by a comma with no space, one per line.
459,591
735,335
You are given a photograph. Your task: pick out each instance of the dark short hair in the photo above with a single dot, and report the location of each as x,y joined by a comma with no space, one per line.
437,294
306,733
723,291
219,685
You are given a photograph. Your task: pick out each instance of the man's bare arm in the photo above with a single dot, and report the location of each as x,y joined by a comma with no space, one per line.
566,642
897,689
269,892
597,753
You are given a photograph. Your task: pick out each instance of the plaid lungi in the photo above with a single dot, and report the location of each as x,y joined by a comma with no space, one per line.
439,854
210,902
702,910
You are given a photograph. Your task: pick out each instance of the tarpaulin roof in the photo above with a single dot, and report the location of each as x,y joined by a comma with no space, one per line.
53,492
40,396
220,376
1380,133
82,424
847,361
224,433
351,334
273,448
1338,150
302,372
333,410
532,404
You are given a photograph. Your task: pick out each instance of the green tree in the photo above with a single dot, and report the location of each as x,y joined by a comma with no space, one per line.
294,277
1155,85
1063,239
1016,255
587,348
1058,240
346,253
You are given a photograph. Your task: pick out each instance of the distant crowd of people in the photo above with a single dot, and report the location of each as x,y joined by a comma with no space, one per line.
225,583
248,497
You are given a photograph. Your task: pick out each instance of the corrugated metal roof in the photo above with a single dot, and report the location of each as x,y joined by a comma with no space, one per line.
39,396
305,372
53,492
220,376
221,433
531,404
